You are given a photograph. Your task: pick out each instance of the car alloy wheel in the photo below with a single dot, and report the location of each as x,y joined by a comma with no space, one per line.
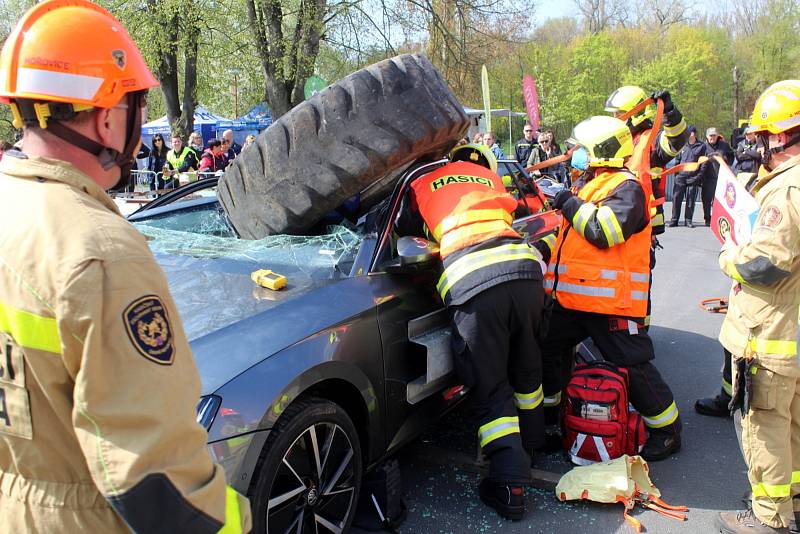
311,473
314,488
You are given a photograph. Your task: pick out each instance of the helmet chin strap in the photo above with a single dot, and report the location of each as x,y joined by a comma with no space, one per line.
769,152
109,157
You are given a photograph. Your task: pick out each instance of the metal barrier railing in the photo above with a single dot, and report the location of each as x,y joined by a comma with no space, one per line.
147,185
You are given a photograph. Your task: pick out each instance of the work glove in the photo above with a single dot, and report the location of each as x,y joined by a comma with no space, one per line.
664,97
561,198
742,386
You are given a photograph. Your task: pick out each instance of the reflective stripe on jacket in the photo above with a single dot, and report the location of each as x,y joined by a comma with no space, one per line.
763,308
610,273
463,204
476,268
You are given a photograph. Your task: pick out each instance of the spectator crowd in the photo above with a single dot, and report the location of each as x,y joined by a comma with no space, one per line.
167,168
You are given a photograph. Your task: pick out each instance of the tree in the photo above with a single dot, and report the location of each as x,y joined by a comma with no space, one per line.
769,48
599,15
662,14
168,34
694,64
10,13
287,35
180,36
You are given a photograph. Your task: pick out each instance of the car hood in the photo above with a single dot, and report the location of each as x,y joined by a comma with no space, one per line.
209,275
212,294
233,323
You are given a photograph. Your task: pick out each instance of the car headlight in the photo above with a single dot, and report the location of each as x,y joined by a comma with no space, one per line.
207,410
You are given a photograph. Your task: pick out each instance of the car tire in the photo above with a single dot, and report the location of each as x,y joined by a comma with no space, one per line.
309,471
332,146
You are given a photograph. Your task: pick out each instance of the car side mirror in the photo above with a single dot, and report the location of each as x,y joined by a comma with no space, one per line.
414,254
412,250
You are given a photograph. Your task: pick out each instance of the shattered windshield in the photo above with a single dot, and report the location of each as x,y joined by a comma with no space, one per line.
317,257
202,218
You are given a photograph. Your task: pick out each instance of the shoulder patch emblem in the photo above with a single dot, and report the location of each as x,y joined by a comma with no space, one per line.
148,327
770,217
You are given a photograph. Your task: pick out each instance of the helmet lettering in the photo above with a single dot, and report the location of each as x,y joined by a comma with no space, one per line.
459,179
45,62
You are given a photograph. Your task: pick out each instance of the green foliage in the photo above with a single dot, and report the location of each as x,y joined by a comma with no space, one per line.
772,51
695,65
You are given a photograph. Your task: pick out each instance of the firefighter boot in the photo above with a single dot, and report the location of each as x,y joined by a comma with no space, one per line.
508,500
744,522
714,406
660,446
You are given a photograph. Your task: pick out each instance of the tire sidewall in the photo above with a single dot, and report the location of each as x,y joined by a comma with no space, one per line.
283,435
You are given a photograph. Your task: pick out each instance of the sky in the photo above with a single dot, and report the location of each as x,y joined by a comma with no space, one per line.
551,9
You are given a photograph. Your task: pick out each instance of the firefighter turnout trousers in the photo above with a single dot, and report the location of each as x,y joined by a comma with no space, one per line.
623,342
497,355
771,445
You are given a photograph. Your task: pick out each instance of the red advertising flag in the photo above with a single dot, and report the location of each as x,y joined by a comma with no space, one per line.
531,100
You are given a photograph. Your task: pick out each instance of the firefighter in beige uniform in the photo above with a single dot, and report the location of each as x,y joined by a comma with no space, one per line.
760,328
98,386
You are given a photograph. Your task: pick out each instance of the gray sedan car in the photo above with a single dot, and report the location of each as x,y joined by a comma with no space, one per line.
306,387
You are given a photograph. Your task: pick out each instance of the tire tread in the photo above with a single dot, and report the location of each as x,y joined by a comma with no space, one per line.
332,146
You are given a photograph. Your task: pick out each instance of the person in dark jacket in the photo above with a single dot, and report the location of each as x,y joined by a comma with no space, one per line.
156,162
143,153
524,147
234,148
714,145
213,159
748,158
687,182
227,151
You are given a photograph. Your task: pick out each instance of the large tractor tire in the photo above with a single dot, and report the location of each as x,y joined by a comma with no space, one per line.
337,143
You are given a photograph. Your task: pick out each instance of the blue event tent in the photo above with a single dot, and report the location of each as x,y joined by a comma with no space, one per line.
204,121
252,122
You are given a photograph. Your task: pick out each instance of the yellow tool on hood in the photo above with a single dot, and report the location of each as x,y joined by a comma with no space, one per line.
269,279
624,480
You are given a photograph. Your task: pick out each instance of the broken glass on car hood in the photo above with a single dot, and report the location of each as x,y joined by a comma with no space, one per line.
209,276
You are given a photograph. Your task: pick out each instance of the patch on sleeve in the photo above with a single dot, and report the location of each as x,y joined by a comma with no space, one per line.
770,217
148,327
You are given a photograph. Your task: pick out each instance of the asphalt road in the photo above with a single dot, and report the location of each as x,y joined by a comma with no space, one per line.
708,475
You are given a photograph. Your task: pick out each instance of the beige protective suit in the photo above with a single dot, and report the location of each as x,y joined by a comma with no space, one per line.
98,386
762,323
